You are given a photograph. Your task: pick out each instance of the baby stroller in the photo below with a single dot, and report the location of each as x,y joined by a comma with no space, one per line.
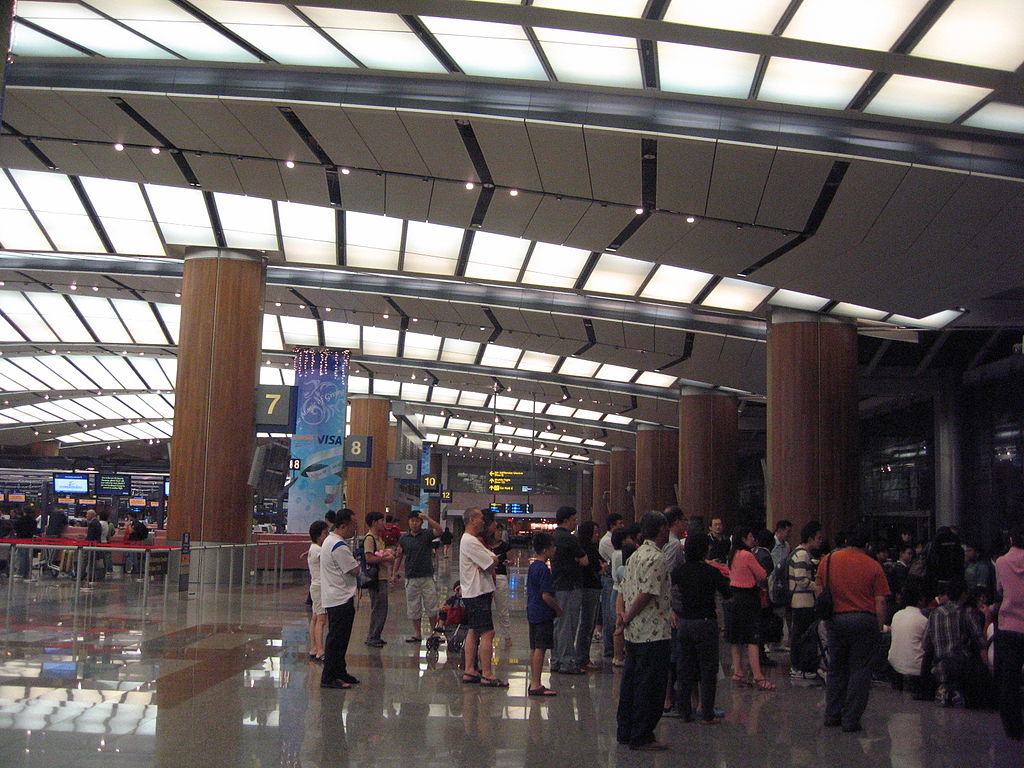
451,623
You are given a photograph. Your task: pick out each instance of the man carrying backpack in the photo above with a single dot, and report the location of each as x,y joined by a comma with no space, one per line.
799,577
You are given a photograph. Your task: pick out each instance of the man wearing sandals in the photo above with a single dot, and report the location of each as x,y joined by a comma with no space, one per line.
476,574
642,609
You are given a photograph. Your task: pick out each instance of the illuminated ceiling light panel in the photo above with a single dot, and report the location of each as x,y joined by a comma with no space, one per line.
103,320
588,415
432,248
59,413
542,452
652,379
496,257
986,33
28,42
521,432
308,232
934,322
574,366
810,83
921,99
872,24
60,211
23,315
473,399
555,266
31,414
8,333
675,284
444,396
592,59
126,219
140,406
528,406
78,408
170,314
610,372
248,222
80,25
122,372
572,439
359,385
706,71
553,435
467,442
422,346
559,410
595,443
390,388
415,392
175,28
378,40
487,49
170,366
372,242
633,9
92,368
288,374
34,367
845,309
18,229
479,426
270,376
115,405
68,372
538,361
614,418
500,357
504,403
272,333
458,424
140,321
181,214
617,274
516,449
60,317
433,421
380,342
996,117
341,335
737,295
300,331
758,16
158,404
485,444
459,351
560,455
797,300
445,440
151,372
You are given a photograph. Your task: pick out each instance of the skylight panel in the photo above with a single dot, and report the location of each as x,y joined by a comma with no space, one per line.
140,321
503,429
103,320
422,346
845,309
986,33
172,26
8,332
60,317
29,42
758,16
610,372
300,331
595,443
706,71
35,368
342,335
529,406
248,222
582,413
387,388
555,266
872,24
377,40
358,385
615,418
164,426
272,339
472,399
652,379
270,376
288,374
467,442
31,414
308,232
140,406
135,431
372,242
170,314
92,368
380,342
633,9
445,440
22,314
487,49
496,257
67,372
503,403
459,351
521,432
485,444
617,274
675,284
585,57
444,395
797,300
459,425
80,25
479,426
60,211
538,361
575,366
414,392
437,422
170,366
934,321
560,411
115,405
78,408
151,372
122,372
432,248
18,229
158,404
996,117
810,83
737,295
922,99
56,410
501,357
124,215
182,215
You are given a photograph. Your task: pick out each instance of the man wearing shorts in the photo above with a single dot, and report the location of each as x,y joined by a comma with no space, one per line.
476,574
415,549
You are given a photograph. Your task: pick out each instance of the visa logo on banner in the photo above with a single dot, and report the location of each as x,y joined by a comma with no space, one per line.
330,439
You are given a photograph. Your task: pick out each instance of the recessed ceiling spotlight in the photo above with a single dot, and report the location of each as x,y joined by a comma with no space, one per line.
119,147
327,309
513,192
95,288
177,295
277,303
289,164
690,219
415,319
385,315
346,171
638,211
470,185
302,306
155,150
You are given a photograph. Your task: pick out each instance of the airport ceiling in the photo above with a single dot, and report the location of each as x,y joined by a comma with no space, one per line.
504,209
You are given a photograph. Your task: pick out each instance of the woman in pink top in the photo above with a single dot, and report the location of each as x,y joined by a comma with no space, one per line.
746,577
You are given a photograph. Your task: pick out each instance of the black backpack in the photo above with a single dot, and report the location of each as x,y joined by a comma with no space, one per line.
778,582
810,651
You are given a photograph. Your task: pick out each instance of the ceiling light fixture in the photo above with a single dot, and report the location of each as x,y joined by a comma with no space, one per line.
119,147
690,219
638,211
514,192
289,164
470,185
155,150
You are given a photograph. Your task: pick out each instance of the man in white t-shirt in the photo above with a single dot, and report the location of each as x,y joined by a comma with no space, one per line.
906,651
338,569
476,576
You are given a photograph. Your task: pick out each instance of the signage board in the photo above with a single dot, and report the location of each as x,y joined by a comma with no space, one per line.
358,451
113,485
431,484
515,508
408,469
70,483
446,497
504,480
275,408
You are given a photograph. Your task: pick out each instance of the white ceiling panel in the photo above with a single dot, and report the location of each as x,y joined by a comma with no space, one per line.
599,226
169,116
452,204
508,152
722,248
655,236
614,161
738,180
689,160
305,184
218,122
362,191
407,197
510,215
260,178
336,134
561,158
383,131
439,144
555,219
274,135
794,184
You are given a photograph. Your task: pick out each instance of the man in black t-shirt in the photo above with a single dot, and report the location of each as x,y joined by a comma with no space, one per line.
565,570
416,549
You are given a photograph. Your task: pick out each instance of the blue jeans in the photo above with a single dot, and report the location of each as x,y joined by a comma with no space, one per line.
607,615
642,692
852,641
563,655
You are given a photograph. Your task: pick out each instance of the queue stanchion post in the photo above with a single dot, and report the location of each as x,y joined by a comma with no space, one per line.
231,571
280,562
79,566
167,574
145,577
10,574
216,576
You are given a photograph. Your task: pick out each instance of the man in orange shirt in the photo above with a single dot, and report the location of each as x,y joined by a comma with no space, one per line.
859,589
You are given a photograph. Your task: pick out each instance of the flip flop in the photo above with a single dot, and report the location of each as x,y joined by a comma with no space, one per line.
493,682
468,679
542,691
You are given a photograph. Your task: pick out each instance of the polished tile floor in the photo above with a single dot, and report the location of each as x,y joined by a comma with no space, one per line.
223,680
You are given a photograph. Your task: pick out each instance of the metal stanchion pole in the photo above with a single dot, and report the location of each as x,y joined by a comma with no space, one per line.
280,563
245,566
145,579
216,578
79,565
167,575
10,574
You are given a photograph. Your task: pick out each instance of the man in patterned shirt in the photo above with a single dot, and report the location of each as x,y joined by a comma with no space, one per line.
642,609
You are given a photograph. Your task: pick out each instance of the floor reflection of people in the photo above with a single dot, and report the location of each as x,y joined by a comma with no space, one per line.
477,749
906,735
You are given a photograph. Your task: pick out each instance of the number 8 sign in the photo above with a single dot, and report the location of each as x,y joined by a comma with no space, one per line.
358,451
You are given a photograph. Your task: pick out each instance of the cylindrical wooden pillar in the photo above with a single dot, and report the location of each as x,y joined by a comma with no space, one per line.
657,468
812,420
621,474
599,496
708,435
215,395
585,493
367,489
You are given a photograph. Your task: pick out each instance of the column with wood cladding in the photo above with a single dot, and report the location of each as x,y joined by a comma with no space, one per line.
657,468
621,474
367,489
708,436
599,495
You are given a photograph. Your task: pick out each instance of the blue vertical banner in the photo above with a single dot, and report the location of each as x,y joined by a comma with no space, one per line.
318,445
424,504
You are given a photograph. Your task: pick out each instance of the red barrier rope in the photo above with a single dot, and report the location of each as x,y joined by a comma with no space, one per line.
84,543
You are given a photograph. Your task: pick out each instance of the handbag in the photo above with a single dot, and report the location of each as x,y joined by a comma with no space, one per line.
824,605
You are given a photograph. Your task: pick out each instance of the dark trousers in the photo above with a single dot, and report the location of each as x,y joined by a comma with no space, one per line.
1009,657
642,691
852,640
339,631
607,615
697,661
802,620
378,610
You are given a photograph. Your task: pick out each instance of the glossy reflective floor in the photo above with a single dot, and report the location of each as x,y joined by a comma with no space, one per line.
223,680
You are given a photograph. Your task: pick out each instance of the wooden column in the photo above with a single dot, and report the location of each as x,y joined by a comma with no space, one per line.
599,496
657,468
215,395
621,473
708,434
45,448
367,489
812,420
585,494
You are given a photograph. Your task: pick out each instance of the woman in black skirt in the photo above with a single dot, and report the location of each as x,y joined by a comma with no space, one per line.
746,577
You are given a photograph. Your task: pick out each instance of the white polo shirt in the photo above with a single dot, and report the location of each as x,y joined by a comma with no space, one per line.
907,650
474,560
313,561
337,585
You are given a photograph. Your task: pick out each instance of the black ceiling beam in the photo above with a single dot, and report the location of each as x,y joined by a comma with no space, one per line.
238,40
218,229
94,218
427,38
176,154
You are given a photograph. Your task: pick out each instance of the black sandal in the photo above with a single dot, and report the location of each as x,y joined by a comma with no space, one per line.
493,682
542,691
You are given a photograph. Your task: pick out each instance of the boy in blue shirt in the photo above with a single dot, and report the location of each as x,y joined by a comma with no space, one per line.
541,609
